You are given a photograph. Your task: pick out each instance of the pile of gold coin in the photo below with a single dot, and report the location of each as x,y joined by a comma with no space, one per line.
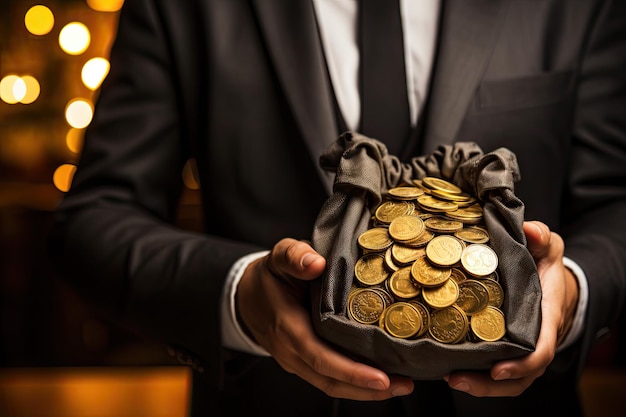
427,268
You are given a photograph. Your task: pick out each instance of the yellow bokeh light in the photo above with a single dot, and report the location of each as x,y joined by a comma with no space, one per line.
94,72
74,140
105,5
6,89
78,113
32,89
74,38
19,89
39,20
63,176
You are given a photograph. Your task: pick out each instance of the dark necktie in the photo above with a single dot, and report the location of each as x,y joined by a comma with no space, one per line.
384,102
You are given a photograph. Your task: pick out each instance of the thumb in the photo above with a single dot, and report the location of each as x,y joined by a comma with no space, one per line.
538,236
295,258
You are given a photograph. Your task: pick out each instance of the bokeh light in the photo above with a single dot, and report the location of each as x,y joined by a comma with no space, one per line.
74,139
94,72
105,5
79,113
15,89
39,20
74,38
32,89
63,176
6,89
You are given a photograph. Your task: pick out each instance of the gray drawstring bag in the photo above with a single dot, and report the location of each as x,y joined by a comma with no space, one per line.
364,173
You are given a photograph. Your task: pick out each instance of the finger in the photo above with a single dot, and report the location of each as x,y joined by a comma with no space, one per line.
295,258
538,236
482,385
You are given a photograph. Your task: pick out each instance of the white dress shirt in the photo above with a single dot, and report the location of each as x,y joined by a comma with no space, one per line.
337,22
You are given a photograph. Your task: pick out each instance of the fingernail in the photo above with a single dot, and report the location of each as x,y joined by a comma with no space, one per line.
504,374
376,384
538,229
400,391
462,386
308,259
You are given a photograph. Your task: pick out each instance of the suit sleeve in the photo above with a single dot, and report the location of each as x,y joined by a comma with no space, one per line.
595,233
113,236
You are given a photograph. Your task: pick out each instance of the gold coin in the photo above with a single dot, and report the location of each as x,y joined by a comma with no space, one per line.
376,239
425,314
458,275
496,293
488,324
448,325
370,269
438,224
444,250
428,275
421,240
443,296
405,228
389,210
473,296
479,259
402,320
405,255
389,262
441,185
365,305
406,193
473,234
449,196
437,205
402,285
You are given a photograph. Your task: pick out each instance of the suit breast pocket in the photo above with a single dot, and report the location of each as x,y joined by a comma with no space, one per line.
524,92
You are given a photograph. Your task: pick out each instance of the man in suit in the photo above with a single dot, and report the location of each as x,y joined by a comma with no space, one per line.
255,91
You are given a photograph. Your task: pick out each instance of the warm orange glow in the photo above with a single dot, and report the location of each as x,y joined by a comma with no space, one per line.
94,72
39,20
32,89
105,5
63,176
7,85
79,113
190,175
74,140
74,38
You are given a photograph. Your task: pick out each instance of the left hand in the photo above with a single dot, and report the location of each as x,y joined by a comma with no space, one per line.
558,305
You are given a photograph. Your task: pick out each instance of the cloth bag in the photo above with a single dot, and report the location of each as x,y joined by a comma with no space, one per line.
364,172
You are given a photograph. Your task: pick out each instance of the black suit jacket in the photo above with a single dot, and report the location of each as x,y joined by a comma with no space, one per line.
241,86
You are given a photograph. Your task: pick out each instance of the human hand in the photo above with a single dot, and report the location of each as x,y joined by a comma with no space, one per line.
558,304
272,297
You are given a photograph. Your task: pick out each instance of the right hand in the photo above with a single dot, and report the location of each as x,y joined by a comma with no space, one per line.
272,299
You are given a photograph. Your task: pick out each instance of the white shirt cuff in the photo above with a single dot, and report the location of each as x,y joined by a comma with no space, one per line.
581,309
233,336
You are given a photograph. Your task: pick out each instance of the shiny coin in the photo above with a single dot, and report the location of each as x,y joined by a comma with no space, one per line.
496,293
425,314
473,296
389,262
441,185
428,275
479,259
448,325
444,250
405,255
449,196
421,240
405,228
406,193
402,286
389,210
402,320
375,239
458,275
488,324
365,305
473,234
436,205
370,269
443,296
438,224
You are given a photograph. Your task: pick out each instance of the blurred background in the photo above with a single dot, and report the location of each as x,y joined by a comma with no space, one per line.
57,356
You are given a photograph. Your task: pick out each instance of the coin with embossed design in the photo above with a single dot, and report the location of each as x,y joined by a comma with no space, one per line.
375,239
488,324
479,259
473,296
365,305
448,325
402,320
402,285
427,274
444,250
405,228
442,296
370,269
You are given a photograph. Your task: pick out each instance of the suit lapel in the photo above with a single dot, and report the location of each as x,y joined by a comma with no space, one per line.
469,30
292,38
